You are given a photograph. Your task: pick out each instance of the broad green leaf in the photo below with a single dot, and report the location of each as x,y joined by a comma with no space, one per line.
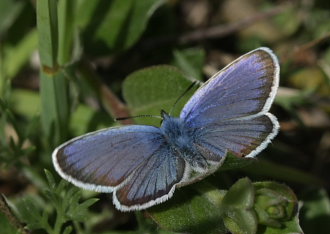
150,90
191,61
125,22
190,211
315,212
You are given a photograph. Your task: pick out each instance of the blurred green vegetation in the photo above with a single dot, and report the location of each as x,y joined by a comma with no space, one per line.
68,67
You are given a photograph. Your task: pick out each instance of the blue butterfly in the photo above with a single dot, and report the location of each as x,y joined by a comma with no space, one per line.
142,165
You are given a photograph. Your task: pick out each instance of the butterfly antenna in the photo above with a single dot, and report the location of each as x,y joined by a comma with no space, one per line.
182,95
137,116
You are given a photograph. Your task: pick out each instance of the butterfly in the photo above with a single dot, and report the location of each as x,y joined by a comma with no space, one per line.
143,165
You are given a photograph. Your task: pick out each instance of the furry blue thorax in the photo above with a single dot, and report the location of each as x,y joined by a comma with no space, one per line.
175,132
181,139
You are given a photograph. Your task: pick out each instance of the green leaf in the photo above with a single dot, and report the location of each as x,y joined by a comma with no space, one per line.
150,90
191,61
125,22
315,212
190,211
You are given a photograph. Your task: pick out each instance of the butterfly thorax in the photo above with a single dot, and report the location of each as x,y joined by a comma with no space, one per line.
181,140
175,132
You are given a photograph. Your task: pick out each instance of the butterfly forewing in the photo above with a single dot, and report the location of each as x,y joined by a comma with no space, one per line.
245,87
102,160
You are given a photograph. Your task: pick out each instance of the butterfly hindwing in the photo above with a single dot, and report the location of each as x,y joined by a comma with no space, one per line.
241,137
153,182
